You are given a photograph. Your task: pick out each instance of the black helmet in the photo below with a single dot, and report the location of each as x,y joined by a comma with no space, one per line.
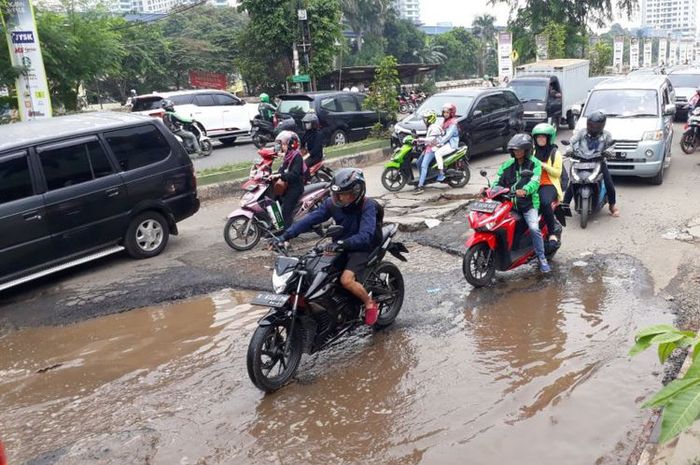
596,123
348,180
167,105
520,141
287,124
310,121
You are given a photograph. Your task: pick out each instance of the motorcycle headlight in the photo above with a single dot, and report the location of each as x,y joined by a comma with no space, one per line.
279,282
653,135
595,173
574,174
247,198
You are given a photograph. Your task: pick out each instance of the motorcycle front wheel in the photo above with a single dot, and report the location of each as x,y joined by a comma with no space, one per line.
206,147
241,236
585,212
269,366
688,143
386,282
479,265
393,179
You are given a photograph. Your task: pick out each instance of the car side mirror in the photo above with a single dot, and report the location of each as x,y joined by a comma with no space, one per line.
669,110
477,113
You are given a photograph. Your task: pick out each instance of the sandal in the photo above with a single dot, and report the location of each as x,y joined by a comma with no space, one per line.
614,212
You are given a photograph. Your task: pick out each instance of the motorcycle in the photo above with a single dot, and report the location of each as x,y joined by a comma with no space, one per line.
317,173
320,173
262,131
205,144
260,215
691,136
399,170
406,105
310,310
586,180
501,239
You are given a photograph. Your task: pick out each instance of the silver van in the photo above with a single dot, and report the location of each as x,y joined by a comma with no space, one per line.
640,112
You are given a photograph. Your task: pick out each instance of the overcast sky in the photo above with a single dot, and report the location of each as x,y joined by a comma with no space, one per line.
462,12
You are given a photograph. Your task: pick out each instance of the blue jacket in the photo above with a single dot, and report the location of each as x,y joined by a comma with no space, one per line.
359,224
451,136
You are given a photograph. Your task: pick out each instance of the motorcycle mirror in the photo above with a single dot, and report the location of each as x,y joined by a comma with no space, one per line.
483,173
565,142
414,133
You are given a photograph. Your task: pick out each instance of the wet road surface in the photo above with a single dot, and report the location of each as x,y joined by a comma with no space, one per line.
533,371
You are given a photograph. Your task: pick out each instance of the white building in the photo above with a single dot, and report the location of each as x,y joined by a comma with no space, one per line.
677,16
161,6
408,9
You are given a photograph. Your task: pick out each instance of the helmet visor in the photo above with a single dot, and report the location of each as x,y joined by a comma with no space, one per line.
595,128
343,198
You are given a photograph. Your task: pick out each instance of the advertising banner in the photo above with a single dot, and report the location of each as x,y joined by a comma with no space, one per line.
505,62
206,80
619,47
647,53
634,53
663,52
542,47
25,52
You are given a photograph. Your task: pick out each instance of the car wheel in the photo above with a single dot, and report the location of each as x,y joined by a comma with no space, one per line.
339,138
147,235
659,178
572,120
228,140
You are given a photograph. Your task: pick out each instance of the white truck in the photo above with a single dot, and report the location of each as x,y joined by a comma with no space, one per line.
550,90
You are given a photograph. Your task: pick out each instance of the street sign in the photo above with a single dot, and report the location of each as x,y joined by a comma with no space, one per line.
301,14
301,78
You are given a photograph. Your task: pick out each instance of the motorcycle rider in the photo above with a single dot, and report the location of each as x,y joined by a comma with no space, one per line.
597,138
292,172
265,109
693,102
360,217
430,140
450,141
527,198
312,140
547,152
174,122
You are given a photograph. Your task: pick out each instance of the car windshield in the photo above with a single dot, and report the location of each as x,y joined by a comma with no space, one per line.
685,80
623,103
435,103
294,106
147,104
529,90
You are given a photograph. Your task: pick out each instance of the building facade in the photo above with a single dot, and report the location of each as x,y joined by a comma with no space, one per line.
673,16
408,9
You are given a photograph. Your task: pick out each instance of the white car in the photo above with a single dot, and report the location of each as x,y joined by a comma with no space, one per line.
223,115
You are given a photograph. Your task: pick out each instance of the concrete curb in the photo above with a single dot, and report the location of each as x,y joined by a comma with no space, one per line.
233,188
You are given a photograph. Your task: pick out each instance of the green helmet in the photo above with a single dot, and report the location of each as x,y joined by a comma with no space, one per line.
264,98
429,117
545,129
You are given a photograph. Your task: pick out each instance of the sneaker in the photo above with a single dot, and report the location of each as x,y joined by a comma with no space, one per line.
441,177
418,191
371,313
544,266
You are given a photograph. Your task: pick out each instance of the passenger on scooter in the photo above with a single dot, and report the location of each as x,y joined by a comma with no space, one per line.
312,140
597,138
450,141
174,122
547,152
360,217
694,102
527,198
265,109
431,140
292,172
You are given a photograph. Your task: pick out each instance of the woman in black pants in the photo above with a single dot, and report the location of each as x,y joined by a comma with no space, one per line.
292,172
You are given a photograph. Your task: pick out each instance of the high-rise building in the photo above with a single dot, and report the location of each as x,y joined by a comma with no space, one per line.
408,9
676,16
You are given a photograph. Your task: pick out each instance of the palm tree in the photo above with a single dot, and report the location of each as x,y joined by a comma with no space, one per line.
431,53
365,16
484,28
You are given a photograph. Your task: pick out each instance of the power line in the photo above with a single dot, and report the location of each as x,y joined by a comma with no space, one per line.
160,18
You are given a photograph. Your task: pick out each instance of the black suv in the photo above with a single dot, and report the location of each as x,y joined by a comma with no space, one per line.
487,118
341,114
77,188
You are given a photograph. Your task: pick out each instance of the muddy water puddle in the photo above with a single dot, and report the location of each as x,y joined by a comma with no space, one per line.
532,372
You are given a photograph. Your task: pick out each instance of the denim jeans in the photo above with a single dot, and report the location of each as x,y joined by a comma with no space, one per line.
532,218
424,164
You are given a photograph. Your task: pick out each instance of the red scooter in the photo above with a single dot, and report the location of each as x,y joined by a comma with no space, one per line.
501,240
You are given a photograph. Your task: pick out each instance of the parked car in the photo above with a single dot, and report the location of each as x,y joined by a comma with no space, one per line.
78,188
342,115
685,82
224,116
640,119
487,117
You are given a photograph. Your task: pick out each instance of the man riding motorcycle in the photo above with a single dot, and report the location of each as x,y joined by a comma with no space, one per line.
265,108
360,217
527,199
174,122
547,152
312,141
597,138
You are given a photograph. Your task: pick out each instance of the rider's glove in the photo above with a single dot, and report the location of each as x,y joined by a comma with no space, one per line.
334,247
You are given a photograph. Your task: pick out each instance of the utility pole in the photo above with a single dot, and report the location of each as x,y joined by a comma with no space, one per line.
305,44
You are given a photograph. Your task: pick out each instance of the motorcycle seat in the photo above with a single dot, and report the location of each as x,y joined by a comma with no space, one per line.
317,186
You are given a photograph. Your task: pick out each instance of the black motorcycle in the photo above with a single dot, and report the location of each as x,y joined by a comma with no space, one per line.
691,135
310,309
205,144
262,132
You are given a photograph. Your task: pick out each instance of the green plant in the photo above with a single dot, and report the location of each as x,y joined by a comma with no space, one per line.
680,399
383,94
378,131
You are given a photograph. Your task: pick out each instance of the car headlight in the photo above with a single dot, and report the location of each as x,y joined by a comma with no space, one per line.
653,135
279,282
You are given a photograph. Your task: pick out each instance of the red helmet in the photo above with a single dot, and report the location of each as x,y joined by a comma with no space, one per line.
451,108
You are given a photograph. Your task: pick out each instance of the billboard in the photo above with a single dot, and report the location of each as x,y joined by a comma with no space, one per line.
542,47
25,52
619,47
663,52
206,80
647,53
505,62
634,53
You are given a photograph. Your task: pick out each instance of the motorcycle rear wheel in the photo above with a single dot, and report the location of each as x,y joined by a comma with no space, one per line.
269,367
688,143
479,265
234,229
387,283
206,147
393,179
462,166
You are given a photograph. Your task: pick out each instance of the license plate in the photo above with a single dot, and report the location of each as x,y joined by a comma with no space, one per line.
270,300
585,166
484,207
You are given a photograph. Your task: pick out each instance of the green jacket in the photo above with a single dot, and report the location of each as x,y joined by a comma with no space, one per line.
509,176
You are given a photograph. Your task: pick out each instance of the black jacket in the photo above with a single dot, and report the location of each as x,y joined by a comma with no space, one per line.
312,141
293,172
